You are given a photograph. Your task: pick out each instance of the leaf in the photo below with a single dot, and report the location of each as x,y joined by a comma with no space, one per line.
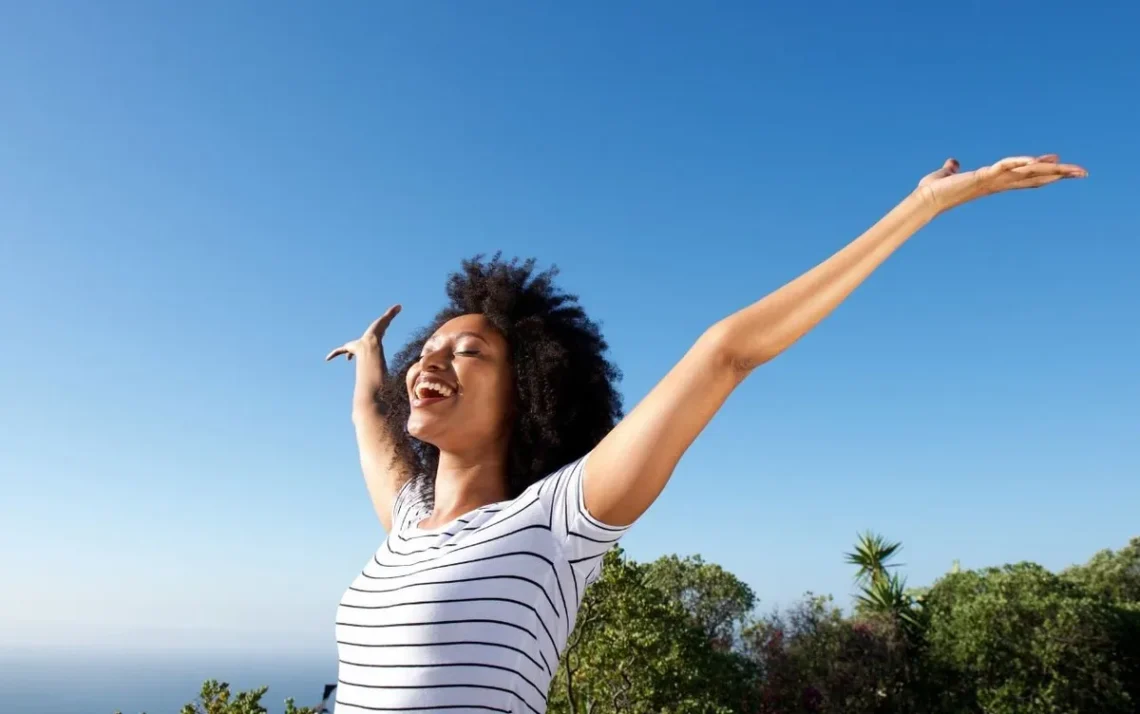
872,556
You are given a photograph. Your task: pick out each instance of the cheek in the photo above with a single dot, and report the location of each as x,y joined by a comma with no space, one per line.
494,387
507,393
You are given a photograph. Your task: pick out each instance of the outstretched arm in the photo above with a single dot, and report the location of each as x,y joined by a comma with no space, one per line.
627,471
384,468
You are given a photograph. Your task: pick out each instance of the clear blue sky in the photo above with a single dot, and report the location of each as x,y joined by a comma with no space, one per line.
198,200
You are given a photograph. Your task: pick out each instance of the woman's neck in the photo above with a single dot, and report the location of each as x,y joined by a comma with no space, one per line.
464,484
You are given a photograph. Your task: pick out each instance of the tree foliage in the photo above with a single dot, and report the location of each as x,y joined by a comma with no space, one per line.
1019,639
215,698
811,659
1114,575
637,649
882,593
714,599
1012,640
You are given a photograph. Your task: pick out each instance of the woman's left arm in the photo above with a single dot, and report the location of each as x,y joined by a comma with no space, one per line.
626,472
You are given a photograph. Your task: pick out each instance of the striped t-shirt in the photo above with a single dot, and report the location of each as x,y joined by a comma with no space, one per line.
472,616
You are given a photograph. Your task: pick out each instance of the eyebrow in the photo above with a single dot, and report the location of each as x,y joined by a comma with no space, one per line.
458,335
476,335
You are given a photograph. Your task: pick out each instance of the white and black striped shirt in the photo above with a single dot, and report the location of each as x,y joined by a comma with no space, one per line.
472,616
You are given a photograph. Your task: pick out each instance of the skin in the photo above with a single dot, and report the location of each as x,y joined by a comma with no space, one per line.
471,428
384,472
627,471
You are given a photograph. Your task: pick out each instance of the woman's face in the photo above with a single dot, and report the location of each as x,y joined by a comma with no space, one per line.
461,389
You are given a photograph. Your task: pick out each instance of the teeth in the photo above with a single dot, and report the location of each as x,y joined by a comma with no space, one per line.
437,387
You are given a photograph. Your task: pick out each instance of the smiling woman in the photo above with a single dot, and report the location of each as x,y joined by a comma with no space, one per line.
494,462
469,600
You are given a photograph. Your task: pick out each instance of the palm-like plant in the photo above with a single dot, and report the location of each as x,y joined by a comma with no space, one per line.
880,591
872,555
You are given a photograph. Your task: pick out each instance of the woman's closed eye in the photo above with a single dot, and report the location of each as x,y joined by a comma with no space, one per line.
458,353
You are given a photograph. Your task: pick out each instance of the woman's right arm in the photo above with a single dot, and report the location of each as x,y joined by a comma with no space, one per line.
385,469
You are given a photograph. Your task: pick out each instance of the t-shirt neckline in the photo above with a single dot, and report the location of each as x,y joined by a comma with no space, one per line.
439,529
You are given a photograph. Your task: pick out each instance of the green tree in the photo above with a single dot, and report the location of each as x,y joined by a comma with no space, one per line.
1021,640
1115,576
715,599
1112,574
881,592
813,660
636,650
873,554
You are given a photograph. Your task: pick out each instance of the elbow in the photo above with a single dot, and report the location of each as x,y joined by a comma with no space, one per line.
733,349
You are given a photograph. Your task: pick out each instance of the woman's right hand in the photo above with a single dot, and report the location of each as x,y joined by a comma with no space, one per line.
368,351
381,458
949,187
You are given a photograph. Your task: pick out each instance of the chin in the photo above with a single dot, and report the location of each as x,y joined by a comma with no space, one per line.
425,428
417,431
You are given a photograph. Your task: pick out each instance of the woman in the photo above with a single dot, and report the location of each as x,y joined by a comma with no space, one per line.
494,463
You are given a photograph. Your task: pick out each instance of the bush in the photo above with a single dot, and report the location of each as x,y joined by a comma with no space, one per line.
812,660
637,650
215,698
1021,640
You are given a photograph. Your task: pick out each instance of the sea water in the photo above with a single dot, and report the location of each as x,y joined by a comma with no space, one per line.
91,683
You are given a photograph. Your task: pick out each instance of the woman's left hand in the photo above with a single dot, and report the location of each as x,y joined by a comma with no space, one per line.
948,187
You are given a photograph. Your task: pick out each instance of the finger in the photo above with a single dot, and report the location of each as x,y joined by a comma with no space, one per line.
1048,159
380,325
1037,181
949,168
1043,180
1050,169
345,349
1012,162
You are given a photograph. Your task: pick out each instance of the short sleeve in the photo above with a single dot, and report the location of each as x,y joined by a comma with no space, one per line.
584,539
409,508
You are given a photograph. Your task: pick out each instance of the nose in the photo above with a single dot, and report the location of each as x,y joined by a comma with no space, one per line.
435,360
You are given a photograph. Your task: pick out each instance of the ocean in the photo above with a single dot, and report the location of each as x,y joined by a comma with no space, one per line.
155,684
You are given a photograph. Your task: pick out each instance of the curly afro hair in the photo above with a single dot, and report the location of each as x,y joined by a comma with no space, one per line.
565,387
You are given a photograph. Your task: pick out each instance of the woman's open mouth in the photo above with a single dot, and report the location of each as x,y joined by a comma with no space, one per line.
429,391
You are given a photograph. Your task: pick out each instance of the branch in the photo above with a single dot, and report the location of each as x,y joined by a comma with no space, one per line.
570,684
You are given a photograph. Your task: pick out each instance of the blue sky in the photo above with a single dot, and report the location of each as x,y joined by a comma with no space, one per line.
197,201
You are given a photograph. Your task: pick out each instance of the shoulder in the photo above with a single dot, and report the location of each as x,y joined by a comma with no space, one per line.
411,505
562,498
555,485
